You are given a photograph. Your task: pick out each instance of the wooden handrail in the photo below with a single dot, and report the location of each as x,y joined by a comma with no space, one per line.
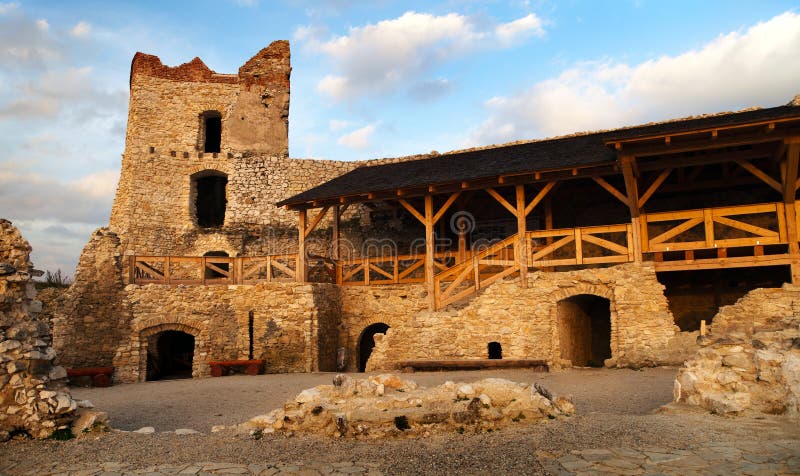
149,269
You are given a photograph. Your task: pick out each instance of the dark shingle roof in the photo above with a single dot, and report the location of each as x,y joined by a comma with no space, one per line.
564,152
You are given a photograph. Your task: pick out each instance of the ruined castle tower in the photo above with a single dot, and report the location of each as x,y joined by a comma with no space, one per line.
206,158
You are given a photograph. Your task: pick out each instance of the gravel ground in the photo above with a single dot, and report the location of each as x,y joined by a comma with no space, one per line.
614,409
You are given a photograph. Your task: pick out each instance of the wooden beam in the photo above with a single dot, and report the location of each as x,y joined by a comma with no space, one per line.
430,249
708,158
446,205
789,193
502,201
521,212
653,187
761,175
315,221
790,179
632,190
412,210
611,189
302,264
539,196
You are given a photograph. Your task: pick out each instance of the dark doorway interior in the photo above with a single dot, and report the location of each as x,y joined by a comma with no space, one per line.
584,325
213,136
211,273
495,350
211,200
367,342
170,355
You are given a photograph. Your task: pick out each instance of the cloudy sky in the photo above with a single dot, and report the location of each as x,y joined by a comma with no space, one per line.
370,79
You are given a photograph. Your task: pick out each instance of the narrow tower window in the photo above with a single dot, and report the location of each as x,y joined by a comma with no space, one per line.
212,131
210,201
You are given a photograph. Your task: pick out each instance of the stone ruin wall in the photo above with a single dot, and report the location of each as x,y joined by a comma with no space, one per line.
287,318
523,321
33,397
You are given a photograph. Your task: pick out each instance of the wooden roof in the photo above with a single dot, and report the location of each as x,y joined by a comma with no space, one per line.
592,150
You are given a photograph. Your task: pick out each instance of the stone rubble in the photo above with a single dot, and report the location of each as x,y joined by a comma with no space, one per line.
750,361
33,394
386,405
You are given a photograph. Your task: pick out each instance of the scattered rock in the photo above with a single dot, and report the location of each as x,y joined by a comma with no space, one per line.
186,431
145,430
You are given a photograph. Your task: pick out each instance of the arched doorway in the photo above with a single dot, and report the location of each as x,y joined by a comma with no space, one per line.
170,355
584,330
367,342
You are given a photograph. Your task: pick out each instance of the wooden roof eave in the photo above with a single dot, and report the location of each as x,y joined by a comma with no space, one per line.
708,137
521,178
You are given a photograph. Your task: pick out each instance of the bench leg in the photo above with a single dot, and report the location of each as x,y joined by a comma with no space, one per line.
101,380
253,369
216,371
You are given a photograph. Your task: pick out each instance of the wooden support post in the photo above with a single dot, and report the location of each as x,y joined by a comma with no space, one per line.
522,229
335,245
302,264
632,189
789,194
430,249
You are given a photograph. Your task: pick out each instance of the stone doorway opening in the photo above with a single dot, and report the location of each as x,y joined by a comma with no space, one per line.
210,198
584,330
170,355
367,342
495,350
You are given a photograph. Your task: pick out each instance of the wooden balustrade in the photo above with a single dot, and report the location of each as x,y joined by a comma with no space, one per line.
752,226
714,228
579,246
476,272
212,269
400,269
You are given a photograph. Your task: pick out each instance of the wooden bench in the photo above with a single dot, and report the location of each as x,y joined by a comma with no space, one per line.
474,364
101,376
253,367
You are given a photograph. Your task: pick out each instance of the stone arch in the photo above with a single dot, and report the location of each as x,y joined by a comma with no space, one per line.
144,330
597,290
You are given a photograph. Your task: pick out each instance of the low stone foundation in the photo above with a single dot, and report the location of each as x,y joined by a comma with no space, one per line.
387,406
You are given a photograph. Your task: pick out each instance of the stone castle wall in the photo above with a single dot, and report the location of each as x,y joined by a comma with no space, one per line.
33,397
285,325
523,321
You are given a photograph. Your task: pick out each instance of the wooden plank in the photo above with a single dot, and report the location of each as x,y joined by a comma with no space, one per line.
708,227
761,175
551,248
540,196
315,221
289,271
413,211
606,259
381,271
756,230
603,243
722,263
578,246
444,207
429,251
520,248
678,246
502,201
672,232
790,180
674,216
653,187
612,190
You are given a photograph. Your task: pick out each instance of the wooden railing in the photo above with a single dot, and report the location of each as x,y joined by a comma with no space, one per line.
212,269
401,269
755,225
476,272
578,246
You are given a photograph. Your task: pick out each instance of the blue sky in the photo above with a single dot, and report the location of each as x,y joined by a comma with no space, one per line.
370,79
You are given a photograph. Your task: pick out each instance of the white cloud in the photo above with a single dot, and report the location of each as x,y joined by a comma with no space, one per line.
511,32
358,139
81,29
382,57
757,66
337,125
42,24
7,7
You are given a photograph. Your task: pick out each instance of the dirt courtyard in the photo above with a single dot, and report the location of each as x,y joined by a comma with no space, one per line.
614,409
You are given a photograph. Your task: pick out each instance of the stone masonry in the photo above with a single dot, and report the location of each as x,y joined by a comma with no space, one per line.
33,398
